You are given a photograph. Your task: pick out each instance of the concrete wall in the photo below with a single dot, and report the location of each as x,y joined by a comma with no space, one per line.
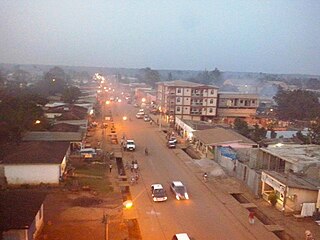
301,196
32,173
241,171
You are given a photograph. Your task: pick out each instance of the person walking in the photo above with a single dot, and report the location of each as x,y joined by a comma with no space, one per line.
308,235
251,217
110,167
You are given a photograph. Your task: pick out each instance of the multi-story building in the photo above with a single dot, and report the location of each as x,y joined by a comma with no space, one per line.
187,100
232,105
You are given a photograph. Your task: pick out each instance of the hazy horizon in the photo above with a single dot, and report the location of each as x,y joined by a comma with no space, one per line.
276,37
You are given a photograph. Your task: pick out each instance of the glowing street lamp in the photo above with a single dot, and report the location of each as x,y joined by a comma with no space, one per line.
143,100
124,118
37,122
128,204
107,102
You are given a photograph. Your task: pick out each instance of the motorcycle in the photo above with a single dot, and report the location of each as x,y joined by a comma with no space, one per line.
205,177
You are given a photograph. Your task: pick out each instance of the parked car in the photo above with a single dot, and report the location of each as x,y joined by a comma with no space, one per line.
130,145
139,115
158,193
173,139
181,236
146,118
179,190
171,144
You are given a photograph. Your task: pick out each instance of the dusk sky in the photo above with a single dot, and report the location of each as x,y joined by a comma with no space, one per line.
280,36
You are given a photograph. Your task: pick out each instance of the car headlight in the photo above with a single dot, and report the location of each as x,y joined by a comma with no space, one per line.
186,195
177,197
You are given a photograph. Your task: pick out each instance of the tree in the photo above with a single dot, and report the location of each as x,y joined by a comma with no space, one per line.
302,137
314,131
150,76
291,105
272,198
313,83
19,113
241,126
273,134
210,77
257,134
71,94
53,82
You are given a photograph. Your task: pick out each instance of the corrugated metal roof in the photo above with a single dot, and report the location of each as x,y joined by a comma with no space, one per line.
19,208
53,136
217,136
36,152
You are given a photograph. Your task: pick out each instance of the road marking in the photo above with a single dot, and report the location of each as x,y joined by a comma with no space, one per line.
153,212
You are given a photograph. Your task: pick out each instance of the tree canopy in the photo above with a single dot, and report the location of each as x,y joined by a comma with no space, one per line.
71,94
314,131
297,105
53,82
19,113
150,76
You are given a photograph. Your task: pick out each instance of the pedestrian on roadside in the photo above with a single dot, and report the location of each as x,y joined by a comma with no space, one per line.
251,217
110,167
308,235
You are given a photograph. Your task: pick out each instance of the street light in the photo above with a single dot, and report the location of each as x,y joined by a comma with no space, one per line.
124,118
128,204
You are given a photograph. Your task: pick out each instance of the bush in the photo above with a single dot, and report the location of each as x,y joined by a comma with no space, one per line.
272,198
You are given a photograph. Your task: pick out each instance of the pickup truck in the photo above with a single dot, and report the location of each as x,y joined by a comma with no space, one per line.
130,145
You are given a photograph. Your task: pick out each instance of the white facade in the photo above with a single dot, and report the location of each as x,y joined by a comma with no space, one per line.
187,100
32,173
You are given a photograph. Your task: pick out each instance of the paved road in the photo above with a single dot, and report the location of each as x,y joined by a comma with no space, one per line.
205,216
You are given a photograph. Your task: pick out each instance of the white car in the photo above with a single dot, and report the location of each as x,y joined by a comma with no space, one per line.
139,115
130,145
181,236
158,193
146,118
179,190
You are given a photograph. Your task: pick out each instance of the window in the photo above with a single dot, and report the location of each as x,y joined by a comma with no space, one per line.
211,100
178,109
210,110
178,100
178,90
212,91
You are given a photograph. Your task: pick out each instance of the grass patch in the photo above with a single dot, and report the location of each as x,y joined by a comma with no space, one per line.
92,170
100,185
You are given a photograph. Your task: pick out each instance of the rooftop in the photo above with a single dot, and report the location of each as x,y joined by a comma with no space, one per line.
36,152
64,127
182,83
237,94
296,153
219,136
19,208
295,181
53,136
